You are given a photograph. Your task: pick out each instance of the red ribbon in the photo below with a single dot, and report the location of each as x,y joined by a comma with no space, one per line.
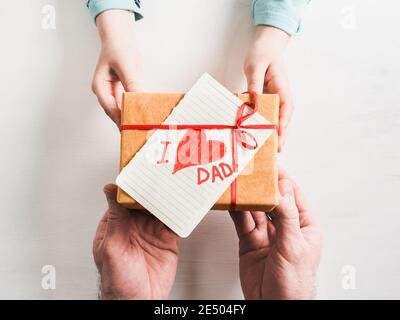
238,134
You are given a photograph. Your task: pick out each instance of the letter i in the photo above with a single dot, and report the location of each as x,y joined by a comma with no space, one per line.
163,159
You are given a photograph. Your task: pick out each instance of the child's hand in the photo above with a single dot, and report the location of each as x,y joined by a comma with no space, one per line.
265,72
119,65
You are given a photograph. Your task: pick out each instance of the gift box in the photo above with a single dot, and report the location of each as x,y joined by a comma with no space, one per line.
256,186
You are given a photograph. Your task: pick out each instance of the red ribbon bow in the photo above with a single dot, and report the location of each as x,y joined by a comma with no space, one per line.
239,135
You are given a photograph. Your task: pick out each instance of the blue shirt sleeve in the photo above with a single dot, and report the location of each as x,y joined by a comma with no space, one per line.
98,6
283,14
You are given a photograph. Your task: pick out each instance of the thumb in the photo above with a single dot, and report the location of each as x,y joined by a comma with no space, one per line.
116,214
110,191
130,76
287,218
255,76
130,84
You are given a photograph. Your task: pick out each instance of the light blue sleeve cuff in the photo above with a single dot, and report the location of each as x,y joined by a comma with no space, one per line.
282,14
98,6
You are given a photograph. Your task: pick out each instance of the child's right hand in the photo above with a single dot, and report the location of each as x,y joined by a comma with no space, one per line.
119,65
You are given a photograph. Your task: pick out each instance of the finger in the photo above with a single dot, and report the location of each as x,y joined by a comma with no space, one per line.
98,239
118,90
130,85
101,228
301,202
260,219
282,174
255,75
287,219
103,90
118,216
130,76
115,209
282,140
276,81
271,232
243,221
285,114
306,218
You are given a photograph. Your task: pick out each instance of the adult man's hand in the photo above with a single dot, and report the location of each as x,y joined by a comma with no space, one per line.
135,253
279,258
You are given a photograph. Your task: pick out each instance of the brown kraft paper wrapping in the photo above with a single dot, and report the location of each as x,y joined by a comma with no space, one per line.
257,186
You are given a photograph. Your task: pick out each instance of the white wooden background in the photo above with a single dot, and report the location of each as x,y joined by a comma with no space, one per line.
58,148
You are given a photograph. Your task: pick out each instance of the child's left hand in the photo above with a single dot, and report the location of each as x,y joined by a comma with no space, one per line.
265,72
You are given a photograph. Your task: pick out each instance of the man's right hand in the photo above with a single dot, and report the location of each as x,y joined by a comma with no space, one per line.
119,65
